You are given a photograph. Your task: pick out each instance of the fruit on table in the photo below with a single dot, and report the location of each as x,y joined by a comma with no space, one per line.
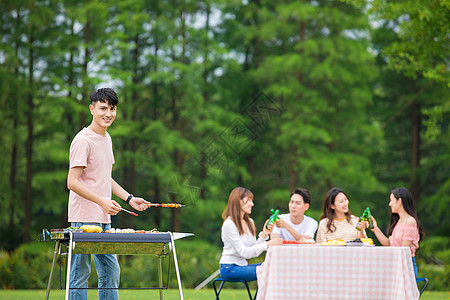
361,241
367,241
285,242
358,240
91,228
337,242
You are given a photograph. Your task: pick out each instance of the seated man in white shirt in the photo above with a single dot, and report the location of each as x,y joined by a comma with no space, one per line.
295,226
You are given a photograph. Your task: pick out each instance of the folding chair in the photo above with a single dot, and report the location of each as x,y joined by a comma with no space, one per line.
222,282
425,280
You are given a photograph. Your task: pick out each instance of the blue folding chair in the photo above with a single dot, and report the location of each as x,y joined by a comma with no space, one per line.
425,280
222,282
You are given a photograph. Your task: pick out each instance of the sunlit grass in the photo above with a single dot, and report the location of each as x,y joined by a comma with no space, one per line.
172,294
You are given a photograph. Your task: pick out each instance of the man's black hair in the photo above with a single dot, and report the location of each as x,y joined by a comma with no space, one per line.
304,193
105,95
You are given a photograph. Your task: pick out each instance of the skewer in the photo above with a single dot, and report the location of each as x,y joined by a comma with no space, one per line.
173,205
130,212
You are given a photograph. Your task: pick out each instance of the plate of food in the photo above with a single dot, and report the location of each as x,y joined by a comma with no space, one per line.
360,242
285,242
354,243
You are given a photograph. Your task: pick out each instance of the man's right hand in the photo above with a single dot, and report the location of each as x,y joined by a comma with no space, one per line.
111,207
281,223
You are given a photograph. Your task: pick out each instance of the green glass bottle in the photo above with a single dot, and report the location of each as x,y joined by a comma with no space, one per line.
369,218
273,218
362,219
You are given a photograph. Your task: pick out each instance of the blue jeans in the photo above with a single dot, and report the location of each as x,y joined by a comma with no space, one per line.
108,271
414,266
232,271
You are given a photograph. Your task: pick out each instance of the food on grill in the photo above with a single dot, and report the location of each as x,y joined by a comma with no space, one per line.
129,230
174,205
91,228
126,230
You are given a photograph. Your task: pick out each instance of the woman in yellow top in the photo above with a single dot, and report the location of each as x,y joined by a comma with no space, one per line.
336,221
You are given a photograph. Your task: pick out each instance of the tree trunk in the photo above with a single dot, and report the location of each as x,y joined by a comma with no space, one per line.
415,150
293,162
176,224
29,147
293,174
157,198
206,96
69,114
134,103
178,123
13,170
156,212
205,56
87,56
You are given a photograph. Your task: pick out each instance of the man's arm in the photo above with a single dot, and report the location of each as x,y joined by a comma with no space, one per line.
118,190
297,236
135,202
74,184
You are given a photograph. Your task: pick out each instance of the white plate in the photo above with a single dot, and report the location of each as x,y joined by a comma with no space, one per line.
352,244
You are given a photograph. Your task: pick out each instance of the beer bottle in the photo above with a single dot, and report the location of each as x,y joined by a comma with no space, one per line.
369,218
362,219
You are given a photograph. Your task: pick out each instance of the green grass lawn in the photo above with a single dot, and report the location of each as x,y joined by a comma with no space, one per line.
172,294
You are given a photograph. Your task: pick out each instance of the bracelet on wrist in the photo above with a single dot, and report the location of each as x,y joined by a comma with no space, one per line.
129,198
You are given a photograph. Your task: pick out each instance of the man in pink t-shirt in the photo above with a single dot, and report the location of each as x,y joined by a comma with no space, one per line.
91,184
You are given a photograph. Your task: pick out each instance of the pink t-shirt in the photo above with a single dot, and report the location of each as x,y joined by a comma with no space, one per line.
408,232
93,152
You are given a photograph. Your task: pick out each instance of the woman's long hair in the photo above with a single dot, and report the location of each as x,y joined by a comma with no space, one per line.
328,212
233,209
408,205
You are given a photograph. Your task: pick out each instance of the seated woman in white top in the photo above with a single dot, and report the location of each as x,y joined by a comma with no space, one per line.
239,237
336,221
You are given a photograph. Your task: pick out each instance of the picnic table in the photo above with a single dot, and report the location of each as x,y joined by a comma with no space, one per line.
336,272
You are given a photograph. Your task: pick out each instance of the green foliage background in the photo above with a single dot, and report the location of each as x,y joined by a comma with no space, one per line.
217,94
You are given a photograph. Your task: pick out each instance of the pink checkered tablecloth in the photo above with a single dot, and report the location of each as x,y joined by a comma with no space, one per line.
336,272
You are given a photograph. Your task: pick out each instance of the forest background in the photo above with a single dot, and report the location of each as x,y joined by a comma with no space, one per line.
269,95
